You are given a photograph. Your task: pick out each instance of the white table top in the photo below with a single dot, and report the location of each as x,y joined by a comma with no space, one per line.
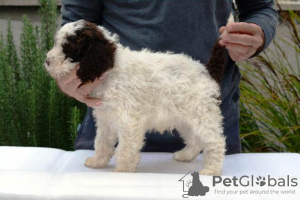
45,173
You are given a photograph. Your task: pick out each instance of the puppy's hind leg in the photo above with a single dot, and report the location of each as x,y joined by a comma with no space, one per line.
193,144
213,156
105,142
213,140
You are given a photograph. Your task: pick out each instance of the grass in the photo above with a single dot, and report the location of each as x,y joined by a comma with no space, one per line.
270,94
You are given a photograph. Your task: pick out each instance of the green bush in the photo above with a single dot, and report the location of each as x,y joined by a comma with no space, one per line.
270,94
33,111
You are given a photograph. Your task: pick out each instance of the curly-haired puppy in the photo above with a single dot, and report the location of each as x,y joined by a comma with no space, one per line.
142,91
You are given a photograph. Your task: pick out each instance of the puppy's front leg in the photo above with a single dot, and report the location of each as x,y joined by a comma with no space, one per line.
127,154
105,141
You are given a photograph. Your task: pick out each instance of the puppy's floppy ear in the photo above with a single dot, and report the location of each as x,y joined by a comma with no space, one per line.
92,50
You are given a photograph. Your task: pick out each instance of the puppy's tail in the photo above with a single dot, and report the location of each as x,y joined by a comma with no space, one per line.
217,62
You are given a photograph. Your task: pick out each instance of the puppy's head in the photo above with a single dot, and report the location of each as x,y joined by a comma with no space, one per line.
82,43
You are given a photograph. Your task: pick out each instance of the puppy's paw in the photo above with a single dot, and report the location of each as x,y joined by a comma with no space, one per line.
184,156
95,163
210,172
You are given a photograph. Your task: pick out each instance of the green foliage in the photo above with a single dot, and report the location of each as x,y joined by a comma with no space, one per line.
270,94
48,14
73,123
33,110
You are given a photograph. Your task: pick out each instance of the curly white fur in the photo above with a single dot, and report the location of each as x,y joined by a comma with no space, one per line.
144,91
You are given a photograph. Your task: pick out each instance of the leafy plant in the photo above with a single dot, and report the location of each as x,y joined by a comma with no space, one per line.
33,112
270,94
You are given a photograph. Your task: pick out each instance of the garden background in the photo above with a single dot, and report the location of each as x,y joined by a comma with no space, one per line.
33,112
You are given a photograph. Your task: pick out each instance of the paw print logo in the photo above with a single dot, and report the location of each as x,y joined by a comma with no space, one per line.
261,181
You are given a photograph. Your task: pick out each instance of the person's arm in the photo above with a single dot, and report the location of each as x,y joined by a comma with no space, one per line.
254,32
261,13
74,10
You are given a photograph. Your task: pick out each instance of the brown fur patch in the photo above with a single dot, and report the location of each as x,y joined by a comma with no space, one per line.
92,50
217,62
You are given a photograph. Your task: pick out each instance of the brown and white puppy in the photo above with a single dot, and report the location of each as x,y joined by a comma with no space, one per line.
143,91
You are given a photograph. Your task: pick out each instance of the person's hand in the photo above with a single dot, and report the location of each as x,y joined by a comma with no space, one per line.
69,84
242,40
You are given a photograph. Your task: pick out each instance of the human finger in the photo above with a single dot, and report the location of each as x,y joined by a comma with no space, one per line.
70,88
92,102
241,27
89,101
68,77
87,88
222,29
243,39
237,57
75,83
247,50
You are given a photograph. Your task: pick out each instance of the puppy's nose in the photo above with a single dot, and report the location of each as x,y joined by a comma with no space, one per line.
47,62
